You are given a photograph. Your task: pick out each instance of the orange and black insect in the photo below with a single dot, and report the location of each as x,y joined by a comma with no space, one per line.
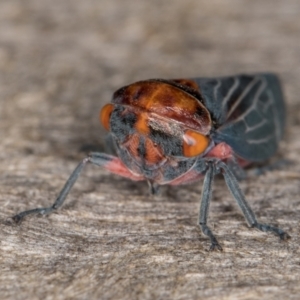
178,131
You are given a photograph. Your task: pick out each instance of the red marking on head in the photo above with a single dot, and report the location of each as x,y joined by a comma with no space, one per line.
151,154
141,124
154,154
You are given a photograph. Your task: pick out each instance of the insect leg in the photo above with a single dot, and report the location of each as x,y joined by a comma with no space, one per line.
236,169
111,163
153,188
244,206
204,208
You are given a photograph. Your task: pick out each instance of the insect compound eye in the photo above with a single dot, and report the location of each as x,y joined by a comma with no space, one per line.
194,143
105,114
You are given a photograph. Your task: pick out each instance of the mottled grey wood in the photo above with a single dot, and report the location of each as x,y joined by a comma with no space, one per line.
60,61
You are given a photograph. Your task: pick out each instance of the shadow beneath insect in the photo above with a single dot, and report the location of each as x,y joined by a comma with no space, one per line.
276,164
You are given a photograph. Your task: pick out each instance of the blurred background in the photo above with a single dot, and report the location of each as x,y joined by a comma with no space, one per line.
60,61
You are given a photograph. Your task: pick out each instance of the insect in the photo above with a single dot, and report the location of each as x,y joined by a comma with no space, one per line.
178,131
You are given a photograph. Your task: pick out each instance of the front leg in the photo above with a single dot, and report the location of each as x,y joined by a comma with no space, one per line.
111,163
204,207
244,206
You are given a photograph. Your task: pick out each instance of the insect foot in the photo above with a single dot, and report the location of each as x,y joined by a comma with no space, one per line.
277,231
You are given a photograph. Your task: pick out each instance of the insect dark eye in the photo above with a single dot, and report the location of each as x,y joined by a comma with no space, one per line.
105,114
194,143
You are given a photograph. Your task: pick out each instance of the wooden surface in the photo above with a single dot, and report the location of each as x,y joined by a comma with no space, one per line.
60,61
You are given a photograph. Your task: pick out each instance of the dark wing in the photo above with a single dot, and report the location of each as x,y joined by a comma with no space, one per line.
249,112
